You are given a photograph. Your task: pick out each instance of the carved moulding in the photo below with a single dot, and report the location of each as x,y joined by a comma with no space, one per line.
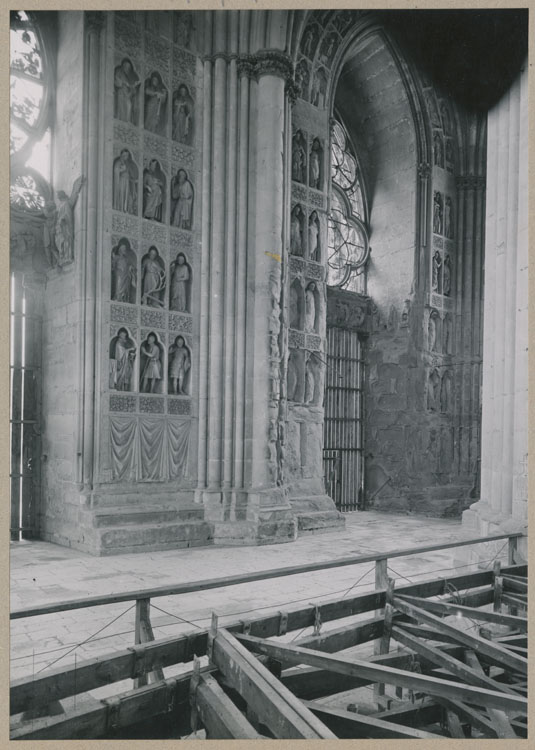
153,318
296,340
178,405
315,271
124,224
145,449
123,314
180,323
151,405
123,403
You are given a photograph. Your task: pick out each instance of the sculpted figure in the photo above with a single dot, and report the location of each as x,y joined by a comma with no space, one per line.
314,251
179,364
58,229
446,284
126,83
437,213
448,218
123,272
295,316
296,231
152,370
179,282
152,279
153,191
438,150
123,356
315,165
155,104
310,307
437,263
183,115
299,158
182,199
125,175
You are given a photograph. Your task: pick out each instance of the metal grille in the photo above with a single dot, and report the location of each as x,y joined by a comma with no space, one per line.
25,372
343,450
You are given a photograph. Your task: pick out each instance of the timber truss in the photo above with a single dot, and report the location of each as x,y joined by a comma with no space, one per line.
449,660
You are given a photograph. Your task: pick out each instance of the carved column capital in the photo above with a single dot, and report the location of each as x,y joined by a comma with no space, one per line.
266,63
247,66
470,182
424,170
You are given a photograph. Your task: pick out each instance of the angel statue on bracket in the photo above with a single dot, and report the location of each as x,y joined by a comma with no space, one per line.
59,226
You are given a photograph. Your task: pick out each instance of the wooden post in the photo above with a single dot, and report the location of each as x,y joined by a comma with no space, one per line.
512,548
498,586
143,634
382,645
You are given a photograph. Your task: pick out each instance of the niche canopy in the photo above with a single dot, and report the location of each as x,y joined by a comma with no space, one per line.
348,247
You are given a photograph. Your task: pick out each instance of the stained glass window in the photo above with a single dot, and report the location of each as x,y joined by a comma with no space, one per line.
348,247
29,141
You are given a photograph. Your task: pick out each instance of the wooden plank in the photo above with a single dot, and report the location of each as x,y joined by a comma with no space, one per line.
443,659
499,719
514,584
143,634
220,717
274,704
344,637
468,714
514,601
448,608
214,583
493,651
380,673
422,713
348,725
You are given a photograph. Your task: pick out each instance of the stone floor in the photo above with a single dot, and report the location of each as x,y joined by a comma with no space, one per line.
43,572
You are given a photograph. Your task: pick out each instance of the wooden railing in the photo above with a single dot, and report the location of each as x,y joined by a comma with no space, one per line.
142,597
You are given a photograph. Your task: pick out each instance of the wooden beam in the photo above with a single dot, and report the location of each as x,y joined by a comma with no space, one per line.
274,704
448,608
422,713
515,584
469,714
219,716
348,725
443,659
499,719
493,651
143,634
380,673
514,601
454,726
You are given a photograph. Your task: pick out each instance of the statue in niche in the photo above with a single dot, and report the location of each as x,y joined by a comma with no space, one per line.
446,118
436,279
154,184
438,150
449,151
180,276
310,307
299,158
393,318
302,78
126,85
314,249
446,273
151,364
448,218
313,388
182,115
183,28
122,357
328,49
295,306
432,331
445,393
296,231
155,104
319,88
125,176
181,200
179,365
405,314
310,40
294,376
152,278
433,387
123,272
437,213
316,153
58,230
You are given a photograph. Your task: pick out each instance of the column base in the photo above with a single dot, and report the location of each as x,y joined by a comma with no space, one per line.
482,520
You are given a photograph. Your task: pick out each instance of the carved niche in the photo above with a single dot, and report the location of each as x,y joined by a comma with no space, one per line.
182,197
151,365
153,278
154,191
179,367
123,272
155,110
180,284
122,359
299,157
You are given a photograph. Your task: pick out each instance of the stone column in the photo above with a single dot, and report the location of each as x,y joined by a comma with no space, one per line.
504,421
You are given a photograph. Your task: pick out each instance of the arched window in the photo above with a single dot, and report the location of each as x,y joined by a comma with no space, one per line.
348,247
29,138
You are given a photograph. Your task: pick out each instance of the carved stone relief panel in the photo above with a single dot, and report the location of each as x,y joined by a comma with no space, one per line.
154,190
180,241
296,340
151,365
128,38
123,224
316,272
180,323
153,278
156,96
313,342
179,406
182,200
151,405
179,367
123,403
158,55
122,314
122,352
296,266
299,193
123,270
157,146
125,180
153,233
126,134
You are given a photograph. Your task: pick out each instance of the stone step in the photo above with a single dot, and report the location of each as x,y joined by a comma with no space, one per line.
134,499
141,537
146,514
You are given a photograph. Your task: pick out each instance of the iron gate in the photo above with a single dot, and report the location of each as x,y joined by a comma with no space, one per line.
342,438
